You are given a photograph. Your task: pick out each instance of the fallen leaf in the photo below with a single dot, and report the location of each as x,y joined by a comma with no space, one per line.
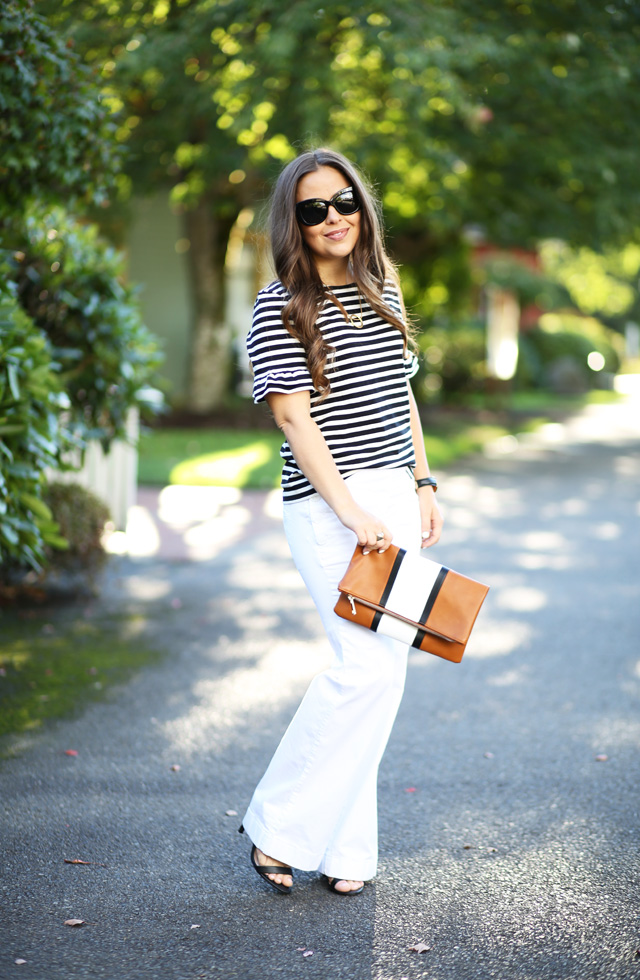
410,789
74,922
467,847
175,768
231,813
419,948
601,758
300,949
309,952
488,755
195,927
95,864
70,751
19,962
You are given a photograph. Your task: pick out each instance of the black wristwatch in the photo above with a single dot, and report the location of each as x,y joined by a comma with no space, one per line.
427,481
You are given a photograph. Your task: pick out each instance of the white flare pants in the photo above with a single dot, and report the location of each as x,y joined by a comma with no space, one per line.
316,808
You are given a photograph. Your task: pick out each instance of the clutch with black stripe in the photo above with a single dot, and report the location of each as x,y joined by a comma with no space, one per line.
411,598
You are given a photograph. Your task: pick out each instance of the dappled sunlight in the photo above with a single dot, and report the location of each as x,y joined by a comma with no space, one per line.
466,499
182,505
572,507
264,577
498,637
521,599
206,539
627,465
148,589
224,703
533,561
501,446
541,541
273,504
509,678
194,523
607,531
142,538
228,466
462,517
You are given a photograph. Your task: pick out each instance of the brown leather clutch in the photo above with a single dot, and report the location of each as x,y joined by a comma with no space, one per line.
411,598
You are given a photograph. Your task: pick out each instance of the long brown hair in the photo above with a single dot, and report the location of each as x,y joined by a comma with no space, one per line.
296,270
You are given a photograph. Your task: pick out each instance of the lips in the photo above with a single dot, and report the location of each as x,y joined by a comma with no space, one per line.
338,235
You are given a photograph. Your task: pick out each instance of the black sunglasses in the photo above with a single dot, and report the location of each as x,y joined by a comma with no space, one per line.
315,210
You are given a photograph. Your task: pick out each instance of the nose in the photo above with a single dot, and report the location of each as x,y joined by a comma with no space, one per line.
332,215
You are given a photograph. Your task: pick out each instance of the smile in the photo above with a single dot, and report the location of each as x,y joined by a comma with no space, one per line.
338,235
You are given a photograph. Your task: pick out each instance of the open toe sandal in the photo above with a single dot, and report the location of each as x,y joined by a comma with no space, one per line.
332,882
271,869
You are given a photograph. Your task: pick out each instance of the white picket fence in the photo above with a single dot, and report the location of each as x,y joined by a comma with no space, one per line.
113,476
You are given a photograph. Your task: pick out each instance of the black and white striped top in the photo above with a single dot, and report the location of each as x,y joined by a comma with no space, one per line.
365,418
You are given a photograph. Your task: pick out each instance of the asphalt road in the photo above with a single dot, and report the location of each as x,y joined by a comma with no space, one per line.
509,843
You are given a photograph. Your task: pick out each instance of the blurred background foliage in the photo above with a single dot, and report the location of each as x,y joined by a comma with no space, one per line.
74,354
515,121
501,137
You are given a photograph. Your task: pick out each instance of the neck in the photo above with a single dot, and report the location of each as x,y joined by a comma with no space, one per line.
335,273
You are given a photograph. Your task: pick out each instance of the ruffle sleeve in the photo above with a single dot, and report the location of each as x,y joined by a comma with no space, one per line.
411,364
278,359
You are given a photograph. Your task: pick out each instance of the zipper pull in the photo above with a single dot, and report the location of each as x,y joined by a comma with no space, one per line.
353,605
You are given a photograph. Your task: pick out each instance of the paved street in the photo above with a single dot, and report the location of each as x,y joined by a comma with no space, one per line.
509,795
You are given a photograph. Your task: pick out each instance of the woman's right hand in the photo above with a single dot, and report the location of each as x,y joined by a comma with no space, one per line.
366,527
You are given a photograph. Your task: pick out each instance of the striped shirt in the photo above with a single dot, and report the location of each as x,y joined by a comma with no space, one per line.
365,417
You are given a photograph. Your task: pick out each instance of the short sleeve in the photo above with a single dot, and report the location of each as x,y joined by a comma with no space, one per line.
392,296
278,359
411,364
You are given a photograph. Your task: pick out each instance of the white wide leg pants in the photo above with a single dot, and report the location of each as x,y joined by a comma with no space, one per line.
316,808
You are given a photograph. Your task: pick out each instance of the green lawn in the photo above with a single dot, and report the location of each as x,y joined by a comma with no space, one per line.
210,457
251,457
52,663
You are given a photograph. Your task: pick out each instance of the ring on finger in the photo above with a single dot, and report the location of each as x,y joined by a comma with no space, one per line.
379,536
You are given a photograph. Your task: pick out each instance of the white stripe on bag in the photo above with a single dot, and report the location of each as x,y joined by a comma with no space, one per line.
412,587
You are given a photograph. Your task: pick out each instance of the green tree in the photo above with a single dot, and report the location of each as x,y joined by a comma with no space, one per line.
56,138
520,117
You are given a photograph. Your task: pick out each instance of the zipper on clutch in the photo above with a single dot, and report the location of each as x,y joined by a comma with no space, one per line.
403,619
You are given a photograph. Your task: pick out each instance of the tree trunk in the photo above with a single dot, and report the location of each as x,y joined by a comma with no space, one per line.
210,351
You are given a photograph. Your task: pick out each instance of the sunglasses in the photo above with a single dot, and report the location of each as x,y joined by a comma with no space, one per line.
315,210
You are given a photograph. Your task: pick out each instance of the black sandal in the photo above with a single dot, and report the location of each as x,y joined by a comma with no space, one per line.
332,882
272,869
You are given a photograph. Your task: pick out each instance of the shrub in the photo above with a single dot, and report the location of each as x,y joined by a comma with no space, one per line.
81,517
71,284
452,361
31,436
554,354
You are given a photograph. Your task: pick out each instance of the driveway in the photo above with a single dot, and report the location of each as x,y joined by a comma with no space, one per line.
508,797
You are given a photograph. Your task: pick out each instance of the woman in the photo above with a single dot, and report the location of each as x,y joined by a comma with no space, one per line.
329,350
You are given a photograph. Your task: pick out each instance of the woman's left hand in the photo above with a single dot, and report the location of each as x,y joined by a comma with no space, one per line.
430,517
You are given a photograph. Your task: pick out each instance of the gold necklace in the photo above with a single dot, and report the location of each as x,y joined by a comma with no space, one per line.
356,319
